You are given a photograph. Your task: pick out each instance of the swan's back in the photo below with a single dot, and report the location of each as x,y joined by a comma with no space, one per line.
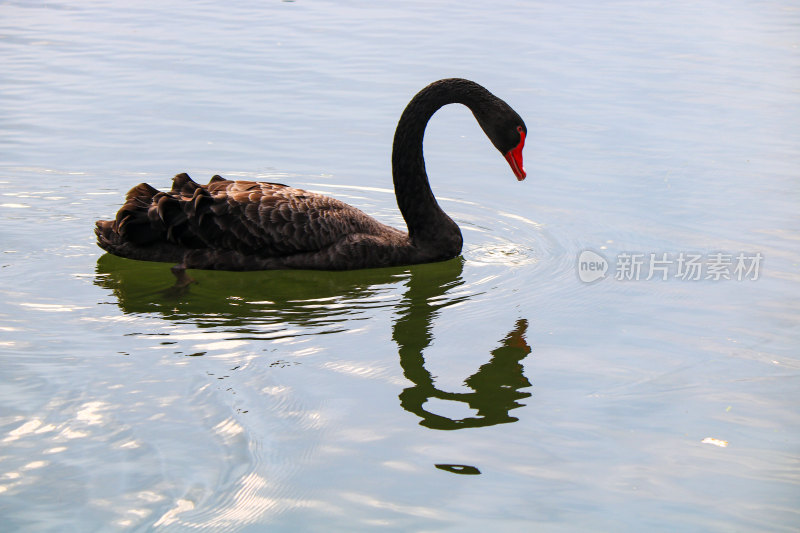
226,218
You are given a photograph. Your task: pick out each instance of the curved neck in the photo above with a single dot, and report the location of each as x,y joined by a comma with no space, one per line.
425,219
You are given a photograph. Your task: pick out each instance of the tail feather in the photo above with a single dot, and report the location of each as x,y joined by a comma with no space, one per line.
106,237
112,242
152,225
132,222
143,191
184,185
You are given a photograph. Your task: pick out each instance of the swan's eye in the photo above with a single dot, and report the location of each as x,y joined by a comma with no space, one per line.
520,129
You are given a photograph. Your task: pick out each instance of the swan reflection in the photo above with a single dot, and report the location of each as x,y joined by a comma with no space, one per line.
250,305
495,386
465,470
271,305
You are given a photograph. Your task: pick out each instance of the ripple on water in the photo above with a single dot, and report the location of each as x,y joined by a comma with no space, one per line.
512,252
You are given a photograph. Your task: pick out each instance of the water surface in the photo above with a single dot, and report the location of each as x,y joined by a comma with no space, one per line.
493,390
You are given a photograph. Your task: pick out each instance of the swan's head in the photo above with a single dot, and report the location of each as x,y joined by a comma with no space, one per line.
514,155
507,131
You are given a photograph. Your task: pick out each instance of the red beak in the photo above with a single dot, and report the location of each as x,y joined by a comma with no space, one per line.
514,158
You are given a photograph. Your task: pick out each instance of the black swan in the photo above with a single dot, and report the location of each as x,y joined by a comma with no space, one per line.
246,225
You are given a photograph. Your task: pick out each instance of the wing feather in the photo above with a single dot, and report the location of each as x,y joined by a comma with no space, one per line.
251,218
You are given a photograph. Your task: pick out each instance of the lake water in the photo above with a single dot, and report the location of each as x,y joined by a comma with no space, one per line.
498,390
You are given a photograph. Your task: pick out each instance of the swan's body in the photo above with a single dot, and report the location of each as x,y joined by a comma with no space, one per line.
246,225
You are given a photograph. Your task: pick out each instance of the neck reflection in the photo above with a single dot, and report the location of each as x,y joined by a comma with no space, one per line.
495,386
